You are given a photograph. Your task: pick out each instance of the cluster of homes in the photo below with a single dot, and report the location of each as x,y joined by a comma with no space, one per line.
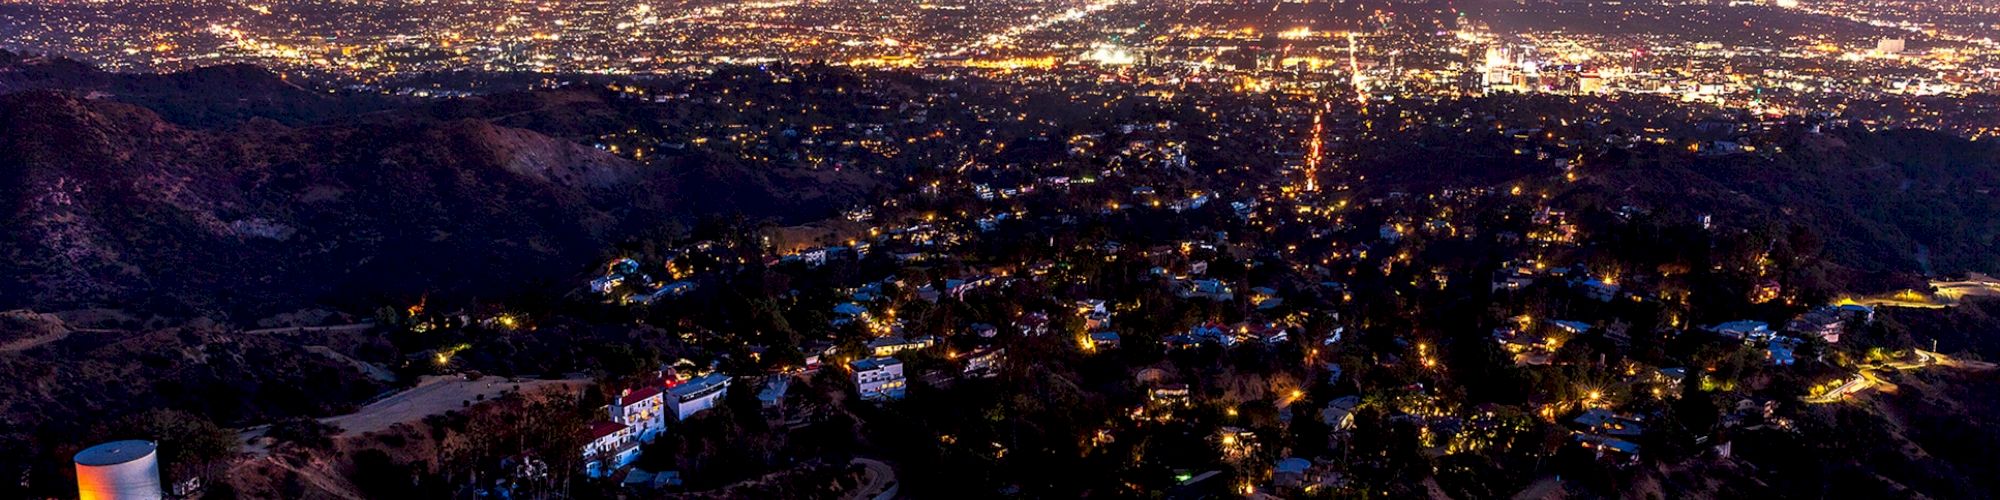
1612,434
860,298
1825,323
815,245
1165,400
639,414
1534,343
623,282
879,375
1518,274
1191,286
1229,335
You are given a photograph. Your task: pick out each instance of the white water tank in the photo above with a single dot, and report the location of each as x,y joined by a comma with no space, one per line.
119,470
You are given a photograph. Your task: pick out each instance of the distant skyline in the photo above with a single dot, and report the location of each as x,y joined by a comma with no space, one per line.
1756,56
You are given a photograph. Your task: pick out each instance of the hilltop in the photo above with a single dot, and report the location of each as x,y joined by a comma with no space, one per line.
115,203
115,206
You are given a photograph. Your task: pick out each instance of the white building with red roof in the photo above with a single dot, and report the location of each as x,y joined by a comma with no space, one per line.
641,408
612,446
635,416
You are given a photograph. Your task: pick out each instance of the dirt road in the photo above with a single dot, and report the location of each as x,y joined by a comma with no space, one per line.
433,396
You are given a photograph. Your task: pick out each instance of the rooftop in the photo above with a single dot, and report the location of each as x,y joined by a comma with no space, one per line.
604,428
115,452
774,390
699,384
641,393
874,363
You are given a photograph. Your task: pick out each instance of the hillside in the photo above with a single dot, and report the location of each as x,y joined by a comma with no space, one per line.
112,205
204,97
1896,201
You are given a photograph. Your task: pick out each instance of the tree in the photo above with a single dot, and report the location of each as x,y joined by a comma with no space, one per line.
1696,408
379,476
189,444
303,431
548,427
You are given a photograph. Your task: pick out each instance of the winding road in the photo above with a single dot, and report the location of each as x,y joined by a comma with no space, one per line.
1866,379
881,483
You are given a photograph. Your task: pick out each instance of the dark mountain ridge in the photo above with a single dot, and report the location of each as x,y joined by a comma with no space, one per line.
230,192
111,205
1900,201
212,96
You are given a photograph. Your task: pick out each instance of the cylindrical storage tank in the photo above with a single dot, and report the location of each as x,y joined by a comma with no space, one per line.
119,470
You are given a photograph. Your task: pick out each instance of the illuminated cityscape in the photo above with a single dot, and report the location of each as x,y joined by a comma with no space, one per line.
858,249
1710,50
